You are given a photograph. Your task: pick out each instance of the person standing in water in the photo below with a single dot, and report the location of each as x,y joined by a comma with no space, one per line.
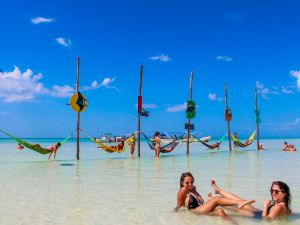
157,143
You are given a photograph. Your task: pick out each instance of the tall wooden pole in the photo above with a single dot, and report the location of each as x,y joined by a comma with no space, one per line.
78,113
139,116
228,122
257,117
189,120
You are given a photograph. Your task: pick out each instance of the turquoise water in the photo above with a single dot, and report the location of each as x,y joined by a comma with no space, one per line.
105,188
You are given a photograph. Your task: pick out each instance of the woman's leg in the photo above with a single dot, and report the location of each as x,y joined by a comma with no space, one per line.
210,205
232,196
223,193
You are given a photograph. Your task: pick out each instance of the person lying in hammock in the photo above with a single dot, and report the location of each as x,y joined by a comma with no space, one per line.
216,145
52,149
20,147
118,147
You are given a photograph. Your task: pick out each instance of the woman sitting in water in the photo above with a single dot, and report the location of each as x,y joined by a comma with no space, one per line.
188,196
280,205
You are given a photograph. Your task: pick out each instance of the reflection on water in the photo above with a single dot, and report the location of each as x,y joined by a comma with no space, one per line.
119,189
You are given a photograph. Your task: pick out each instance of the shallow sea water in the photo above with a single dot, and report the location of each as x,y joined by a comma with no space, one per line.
106,189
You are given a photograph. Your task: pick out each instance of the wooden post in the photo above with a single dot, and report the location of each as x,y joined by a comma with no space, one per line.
228,123
257,122
139,116
189,120
78,113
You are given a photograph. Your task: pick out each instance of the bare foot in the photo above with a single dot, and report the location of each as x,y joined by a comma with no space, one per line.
243,204
209,196
215,186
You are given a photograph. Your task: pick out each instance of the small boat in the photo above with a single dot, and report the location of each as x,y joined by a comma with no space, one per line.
192,139
164,138
106,138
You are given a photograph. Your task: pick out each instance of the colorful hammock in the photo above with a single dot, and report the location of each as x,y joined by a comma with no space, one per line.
35,147
163,149
108,148
211,146
237,143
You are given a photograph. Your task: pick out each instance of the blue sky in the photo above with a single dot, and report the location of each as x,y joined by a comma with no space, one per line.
242,43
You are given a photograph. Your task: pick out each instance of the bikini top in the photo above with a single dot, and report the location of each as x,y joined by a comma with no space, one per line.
194,202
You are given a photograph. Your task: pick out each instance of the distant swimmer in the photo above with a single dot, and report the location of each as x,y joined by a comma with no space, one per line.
260,147
285,146
288,147
19,147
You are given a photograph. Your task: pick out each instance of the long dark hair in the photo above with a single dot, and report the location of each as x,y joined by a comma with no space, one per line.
285,189
184,175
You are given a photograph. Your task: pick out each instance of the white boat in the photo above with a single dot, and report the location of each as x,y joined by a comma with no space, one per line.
192,139
164,139
106,138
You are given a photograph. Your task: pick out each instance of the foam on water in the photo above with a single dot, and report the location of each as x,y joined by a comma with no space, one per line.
105,188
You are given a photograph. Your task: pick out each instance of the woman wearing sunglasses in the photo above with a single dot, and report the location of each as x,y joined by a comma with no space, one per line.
189,197
280,205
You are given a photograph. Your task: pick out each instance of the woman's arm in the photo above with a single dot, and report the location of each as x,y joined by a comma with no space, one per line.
181,195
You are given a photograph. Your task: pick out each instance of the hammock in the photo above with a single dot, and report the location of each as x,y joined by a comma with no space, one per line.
211,146
163,149
237,143
108,148
35,147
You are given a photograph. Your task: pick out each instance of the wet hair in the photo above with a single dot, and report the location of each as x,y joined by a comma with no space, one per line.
157,133
184,175
285,143
285,189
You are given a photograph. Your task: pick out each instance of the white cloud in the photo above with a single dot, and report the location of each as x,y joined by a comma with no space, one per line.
177,108
296,74
95,84
16,86
161,57
224,58
296,122
106,81
64,42
147,106
262,90
62,91
285,90
291,125
38,20
213,97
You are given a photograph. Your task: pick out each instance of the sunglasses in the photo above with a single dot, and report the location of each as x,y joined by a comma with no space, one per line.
276,191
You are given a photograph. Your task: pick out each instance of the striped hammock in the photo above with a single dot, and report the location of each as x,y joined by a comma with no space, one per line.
249,141
108,148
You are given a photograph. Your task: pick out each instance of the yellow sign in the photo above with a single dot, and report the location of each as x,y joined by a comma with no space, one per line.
78,102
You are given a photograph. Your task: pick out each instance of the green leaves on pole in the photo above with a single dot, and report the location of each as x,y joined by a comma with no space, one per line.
257,116
191,109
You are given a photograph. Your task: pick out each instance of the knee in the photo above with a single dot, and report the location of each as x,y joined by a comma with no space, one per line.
220,212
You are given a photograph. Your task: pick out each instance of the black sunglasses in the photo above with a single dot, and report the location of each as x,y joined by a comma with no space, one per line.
276,191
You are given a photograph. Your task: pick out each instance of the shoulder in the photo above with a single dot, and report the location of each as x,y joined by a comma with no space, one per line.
279,209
